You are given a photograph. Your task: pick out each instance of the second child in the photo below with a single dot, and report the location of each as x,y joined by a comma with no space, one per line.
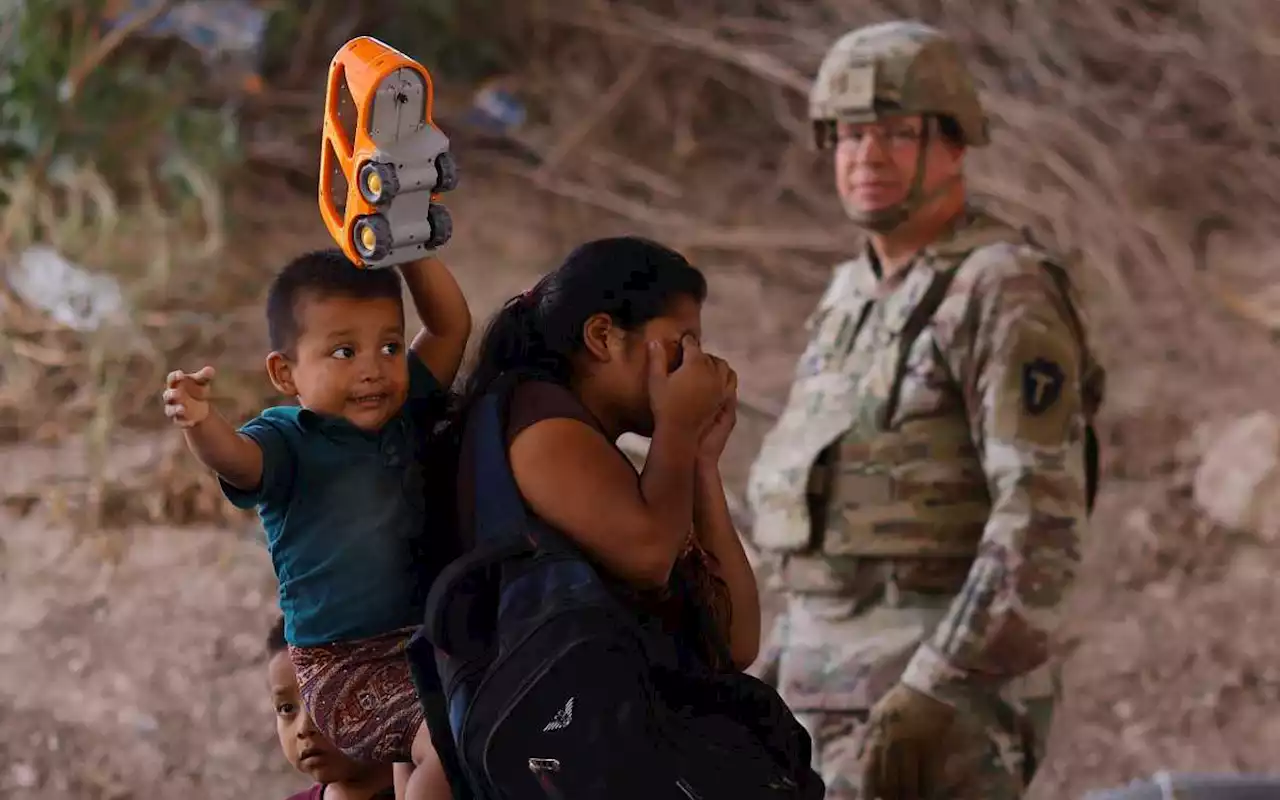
338,484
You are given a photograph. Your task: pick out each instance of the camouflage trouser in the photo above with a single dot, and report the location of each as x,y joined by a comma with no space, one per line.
993,759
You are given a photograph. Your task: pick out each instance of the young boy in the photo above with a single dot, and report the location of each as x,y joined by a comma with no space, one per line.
337,776
338,485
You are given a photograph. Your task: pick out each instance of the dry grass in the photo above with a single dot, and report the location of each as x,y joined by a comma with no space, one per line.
1118,128
186,299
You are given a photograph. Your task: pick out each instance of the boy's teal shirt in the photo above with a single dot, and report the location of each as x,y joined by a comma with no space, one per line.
342,508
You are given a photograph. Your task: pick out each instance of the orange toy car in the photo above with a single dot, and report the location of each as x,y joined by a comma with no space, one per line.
383,163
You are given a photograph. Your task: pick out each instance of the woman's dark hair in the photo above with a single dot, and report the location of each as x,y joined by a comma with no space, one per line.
632,279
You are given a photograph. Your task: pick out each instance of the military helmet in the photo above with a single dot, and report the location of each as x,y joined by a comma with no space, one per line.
895,68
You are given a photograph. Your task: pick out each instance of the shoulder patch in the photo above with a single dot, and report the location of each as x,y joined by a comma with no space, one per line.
1042,382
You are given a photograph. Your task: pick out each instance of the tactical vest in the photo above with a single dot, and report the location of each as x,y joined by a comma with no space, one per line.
835,479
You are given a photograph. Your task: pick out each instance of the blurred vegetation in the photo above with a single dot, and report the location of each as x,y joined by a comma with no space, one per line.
65,102
135,105
454,45
129,154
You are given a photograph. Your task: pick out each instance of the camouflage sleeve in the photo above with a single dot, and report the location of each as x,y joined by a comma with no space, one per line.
1012,350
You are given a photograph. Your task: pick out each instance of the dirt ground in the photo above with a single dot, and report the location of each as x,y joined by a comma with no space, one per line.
131,661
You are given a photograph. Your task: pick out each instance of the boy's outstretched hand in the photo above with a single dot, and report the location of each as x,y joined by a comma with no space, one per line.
236,458
186,396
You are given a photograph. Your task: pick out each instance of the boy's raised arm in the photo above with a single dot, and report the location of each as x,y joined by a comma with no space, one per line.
236,459
445,316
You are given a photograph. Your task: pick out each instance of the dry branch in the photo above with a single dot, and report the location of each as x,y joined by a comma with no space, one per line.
1115,130
648,29
692,232
600,111
107,45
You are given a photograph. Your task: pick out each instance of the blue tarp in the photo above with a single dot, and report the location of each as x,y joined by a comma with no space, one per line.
221,30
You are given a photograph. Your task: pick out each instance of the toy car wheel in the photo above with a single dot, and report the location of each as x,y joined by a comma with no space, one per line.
371,236
377,182
447,170
441,225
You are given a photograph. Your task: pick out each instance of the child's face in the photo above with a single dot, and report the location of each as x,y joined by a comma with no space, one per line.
349,361
303,745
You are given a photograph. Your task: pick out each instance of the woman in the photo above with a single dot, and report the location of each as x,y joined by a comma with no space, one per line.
616,330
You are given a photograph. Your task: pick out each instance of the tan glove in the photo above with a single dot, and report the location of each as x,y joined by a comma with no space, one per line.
904,748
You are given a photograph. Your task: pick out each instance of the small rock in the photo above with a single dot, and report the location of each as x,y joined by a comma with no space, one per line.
1250,568
24,776
1238,481
139,720
1139,522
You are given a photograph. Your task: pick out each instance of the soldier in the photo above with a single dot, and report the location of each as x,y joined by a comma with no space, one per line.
924,493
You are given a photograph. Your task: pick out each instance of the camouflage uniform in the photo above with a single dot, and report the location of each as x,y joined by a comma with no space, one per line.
923,492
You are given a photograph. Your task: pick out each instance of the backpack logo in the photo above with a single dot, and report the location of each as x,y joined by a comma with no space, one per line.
562,718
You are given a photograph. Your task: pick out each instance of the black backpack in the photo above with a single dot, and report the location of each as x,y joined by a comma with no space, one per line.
545,683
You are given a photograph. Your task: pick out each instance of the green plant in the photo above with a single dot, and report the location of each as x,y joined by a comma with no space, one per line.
64,96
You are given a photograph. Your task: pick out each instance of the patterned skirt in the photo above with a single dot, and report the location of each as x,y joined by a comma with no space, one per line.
361,696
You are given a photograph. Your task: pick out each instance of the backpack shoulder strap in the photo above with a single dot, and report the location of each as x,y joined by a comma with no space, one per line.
911,330
501,527
500,511
1091,381
426,681
978,231
463,598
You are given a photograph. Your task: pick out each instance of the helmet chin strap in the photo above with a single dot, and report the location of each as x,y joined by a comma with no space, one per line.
890,218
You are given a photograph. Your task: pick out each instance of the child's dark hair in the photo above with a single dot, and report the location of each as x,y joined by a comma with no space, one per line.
322,274
275,638
631,279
